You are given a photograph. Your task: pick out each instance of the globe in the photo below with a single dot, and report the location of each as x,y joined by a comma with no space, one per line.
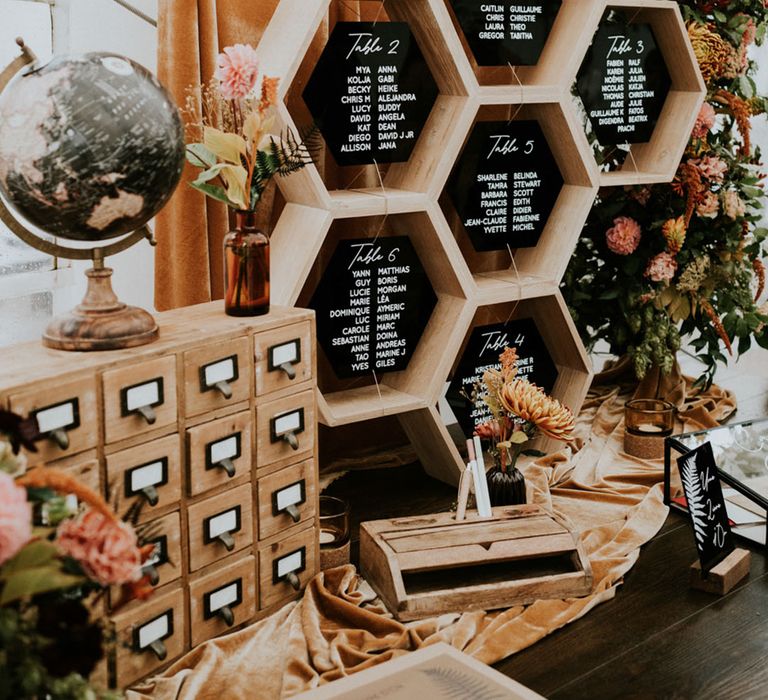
91,146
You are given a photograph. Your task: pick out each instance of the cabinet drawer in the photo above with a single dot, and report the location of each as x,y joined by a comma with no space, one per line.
149,635
285,567
165,533
222,599
220,525
139,398
218,452
285,431
286,499
217,376
284,357
67,416
149,475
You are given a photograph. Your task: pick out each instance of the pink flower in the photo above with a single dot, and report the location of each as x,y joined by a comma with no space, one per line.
105,548
733,207
709,206
704,122
624,236
711,167
661,268
15,517
237,70
750,29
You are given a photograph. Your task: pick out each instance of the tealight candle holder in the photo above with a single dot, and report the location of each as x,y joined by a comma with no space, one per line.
334,532
646,423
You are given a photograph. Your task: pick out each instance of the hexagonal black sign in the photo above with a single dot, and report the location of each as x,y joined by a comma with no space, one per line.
372,303
482,352
506,31
623,81
371,92
505,184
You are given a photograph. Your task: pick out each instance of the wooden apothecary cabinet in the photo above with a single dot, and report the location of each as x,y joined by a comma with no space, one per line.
212,430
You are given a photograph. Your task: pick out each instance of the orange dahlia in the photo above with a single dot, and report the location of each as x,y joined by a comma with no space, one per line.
531,403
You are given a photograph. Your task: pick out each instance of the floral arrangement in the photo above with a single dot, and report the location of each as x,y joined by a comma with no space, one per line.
519,409
230,122
61,547
683,261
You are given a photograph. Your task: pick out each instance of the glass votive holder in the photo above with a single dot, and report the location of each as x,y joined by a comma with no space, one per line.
334,532
646,423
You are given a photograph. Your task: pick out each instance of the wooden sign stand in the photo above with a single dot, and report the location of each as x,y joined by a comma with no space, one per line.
722,578
469,286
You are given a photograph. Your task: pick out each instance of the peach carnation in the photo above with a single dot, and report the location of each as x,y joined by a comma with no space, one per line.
15,517
709,206
106,548
733,206
624,236
661,268
237,71
704,122
711,167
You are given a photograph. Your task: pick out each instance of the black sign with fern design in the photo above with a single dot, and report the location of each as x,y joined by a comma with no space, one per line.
706,506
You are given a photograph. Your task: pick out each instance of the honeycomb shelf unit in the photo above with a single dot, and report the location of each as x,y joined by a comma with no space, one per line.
471,287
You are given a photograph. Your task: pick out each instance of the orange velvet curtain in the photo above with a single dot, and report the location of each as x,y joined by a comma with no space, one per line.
190,229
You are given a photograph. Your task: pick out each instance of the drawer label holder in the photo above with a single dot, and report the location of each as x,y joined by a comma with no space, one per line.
222,453
283,357
151,634
287,568
220,527
288,499
146,478
286,426
219,602
142,398
55,420
219,375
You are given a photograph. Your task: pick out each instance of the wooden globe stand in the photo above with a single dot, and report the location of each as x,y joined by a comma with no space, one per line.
101,321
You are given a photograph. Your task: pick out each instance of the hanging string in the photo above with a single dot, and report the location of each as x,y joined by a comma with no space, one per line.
518,284
378,14
355,10
522,93
136,11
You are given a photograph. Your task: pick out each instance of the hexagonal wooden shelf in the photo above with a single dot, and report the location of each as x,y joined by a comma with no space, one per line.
472,289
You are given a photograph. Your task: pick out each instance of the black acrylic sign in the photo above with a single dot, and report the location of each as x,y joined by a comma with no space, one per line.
370,92
505,184
482,352
706,506
372,303
623,83
506,32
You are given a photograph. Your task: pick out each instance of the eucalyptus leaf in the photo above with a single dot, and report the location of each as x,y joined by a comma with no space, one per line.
214,191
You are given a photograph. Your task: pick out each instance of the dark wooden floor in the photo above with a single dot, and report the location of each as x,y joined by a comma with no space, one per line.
657,638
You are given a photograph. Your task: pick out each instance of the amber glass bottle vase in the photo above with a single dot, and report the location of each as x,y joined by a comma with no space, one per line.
246,268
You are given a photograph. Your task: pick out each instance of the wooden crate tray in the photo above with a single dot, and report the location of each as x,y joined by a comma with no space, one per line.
432,564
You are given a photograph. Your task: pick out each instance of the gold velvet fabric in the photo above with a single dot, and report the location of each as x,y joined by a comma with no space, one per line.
338,628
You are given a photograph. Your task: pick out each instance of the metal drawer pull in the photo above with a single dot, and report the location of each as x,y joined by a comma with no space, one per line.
227,465
227,540
60,437
150,570
159,648
293,579
293,511
291,439
148,413
150,493
287,367
227,615
224,389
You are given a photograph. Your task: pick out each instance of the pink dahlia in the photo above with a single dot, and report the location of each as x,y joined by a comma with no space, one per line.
733,206
106,548
661,268
624,236
237,71
711,167
704,122
15,517
708,207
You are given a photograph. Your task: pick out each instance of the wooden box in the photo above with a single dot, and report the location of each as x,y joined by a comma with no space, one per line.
432,564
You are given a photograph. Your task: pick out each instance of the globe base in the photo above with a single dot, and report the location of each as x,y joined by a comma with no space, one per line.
101,321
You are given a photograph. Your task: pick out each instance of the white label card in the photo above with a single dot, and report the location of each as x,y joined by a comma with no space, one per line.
148,475
157,629
287,423
288,497
50,419
223,371
224,596
290,563
145,395
285,353
218,525
224,449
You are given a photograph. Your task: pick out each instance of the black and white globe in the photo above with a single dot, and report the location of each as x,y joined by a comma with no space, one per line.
91,146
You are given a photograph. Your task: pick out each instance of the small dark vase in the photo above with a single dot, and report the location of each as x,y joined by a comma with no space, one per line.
506,488
246,268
